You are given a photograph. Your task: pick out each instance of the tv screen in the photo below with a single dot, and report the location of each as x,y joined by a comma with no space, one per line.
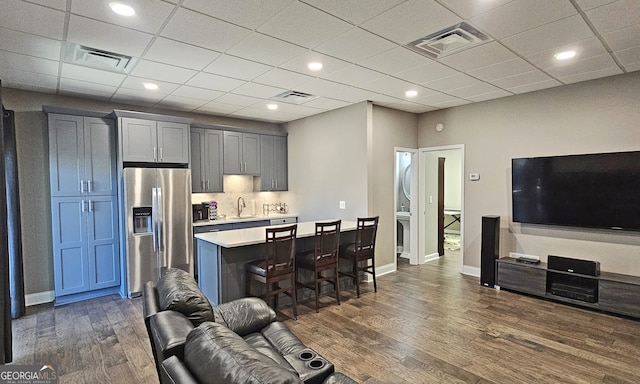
594,190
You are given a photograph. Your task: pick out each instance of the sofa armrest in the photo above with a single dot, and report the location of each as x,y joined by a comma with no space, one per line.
149,300
339,378
244,316
173,371
169,330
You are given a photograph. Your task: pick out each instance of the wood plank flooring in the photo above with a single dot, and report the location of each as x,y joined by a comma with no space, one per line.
426,324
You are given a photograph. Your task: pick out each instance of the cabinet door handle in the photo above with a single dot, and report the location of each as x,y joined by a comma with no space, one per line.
82,207
276,183
89,186
90,205
81,186
155,157
208,184
160,153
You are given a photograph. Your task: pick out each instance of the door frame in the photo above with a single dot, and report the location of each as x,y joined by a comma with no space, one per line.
422,201
413,204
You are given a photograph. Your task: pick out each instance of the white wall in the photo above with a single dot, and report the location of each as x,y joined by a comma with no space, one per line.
595,116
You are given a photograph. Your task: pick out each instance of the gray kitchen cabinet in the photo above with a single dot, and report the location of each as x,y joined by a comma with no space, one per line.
81,155
153,141
206,160
241,153
273,163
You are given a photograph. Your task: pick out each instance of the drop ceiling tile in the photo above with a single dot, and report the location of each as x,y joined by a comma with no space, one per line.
204,31
614,16
454,82
164,72
214,82
623,38
584,49
137,97
283,79
467,9
183,55
394,61
91,75
434,99
321,87
150,14
521,79
181,103
27,80
47,22
107,37
411,20
535,86
252,113
489,96
73,86
25,63
297,109
501,70
585,5
219,108
326,103
27,44
247,13
299,64
427,72
611,71
382,98
549,36
241,100
521,15
57,4
411,107
628,56
355,44
587,65
354,11
422,92
632,67
353,75
386,84
197,93
237,68
265,49
304,25
480,56
137,83
258,90
282,116
474,90
451,103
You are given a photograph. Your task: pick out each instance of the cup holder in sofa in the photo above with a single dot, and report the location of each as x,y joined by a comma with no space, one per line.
316,364
311,366
306,355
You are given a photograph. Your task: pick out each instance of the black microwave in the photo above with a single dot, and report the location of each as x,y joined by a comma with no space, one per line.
200,212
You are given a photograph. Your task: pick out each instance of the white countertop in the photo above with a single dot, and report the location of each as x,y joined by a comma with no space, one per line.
250,236
236,219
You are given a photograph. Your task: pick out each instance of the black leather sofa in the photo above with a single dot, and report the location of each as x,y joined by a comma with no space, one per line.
235,342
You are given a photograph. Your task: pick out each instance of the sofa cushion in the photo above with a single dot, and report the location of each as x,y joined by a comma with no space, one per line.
214,353
282,339
257,341
244,316
178,291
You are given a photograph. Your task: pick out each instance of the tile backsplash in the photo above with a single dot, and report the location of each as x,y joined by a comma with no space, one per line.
240,186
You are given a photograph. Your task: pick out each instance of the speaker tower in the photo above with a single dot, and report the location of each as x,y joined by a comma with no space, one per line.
490,250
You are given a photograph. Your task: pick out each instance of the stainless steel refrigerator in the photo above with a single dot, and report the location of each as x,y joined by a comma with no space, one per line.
159,225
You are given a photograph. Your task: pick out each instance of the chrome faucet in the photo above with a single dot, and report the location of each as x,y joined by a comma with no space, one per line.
244,205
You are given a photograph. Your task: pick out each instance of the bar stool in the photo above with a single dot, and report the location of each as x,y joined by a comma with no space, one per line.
324,257
361,251
277,266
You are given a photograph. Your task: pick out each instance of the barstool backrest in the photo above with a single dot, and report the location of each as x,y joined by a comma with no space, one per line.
327,241
366,235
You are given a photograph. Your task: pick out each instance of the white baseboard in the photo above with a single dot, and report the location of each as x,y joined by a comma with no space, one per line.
431,257
471,271
380,270
39,298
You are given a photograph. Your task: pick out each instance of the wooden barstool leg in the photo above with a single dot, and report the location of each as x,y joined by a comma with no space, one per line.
356,275
318,275
337,284
373,270
294,294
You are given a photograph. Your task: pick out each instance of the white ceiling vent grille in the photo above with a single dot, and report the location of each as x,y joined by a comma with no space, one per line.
448,41
294,97
97,58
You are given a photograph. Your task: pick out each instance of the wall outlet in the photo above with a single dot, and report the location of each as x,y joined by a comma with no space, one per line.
474,176
343,205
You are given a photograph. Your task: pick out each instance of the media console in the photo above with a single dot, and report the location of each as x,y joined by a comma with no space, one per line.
604,291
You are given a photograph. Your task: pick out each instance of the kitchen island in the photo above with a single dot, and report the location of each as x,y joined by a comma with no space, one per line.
222,256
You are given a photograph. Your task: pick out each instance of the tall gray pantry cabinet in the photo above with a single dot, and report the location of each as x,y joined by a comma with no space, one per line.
84,207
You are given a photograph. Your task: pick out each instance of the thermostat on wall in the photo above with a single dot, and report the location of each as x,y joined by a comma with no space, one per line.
474,176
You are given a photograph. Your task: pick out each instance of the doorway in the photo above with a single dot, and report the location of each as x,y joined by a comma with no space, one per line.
441,220
406,205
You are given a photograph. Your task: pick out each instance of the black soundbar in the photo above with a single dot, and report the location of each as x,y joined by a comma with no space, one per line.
566,264
588,295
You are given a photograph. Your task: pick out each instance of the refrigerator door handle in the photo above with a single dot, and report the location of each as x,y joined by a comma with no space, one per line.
160,219
154,217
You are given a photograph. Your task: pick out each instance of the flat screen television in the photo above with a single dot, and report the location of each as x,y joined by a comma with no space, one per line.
592,190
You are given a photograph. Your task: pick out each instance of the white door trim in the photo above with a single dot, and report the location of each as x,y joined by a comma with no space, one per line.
413,205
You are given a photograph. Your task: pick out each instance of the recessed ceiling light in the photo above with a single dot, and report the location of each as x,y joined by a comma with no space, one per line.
122,9
272,107
315,66
150,86
565,55
411,93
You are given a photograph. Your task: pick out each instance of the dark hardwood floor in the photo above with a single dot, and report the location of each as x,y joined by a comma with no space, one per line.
426,324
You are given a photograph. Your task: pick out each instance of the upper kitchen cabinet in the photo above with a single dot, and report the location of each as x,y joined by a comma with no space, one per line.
206,160
273,163
81,152
149,138
241,153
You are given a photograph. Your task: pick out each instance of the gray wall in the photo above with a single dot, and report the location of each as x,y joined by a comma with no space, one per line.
595,116
33,168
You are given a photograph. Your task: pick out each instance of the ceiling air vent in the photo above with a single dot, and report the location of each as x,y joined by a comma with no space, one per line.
448,41
97,58
294,97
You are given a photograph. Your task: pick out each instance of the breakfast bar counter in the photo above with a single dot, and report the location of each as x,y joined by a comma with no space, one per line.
222,256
